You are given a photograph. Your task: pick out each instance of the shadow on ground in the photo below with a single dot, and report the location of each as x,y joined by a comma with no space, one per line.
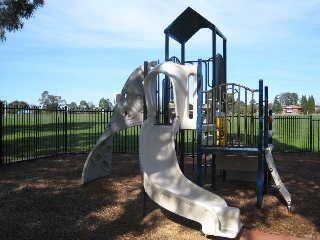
45,199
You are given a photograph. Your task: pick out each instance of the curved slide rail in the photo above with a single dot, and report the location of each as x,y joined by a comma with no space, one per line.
164,182
275,175
128,112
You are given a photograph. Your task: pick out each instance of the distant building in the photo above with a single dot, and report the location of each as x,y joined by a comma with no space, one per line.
292,109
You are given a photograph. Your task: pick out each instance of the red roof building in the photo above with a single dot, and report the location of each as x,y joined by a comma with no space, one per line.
292,109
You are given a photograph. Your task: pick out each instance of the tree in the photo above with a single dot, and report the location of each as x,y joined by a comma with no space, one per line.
304,104
83,105
72,106
17,106
311,104
91,105
12,13
277,107
288,98
51,102
105,104
308,105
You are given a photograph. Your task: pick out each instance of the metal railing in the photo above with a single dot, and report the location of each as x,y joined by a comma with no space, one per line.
34,133
296,133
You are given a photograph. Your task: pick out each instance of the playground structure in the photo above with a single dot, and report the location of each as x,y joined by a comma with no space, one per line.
222,116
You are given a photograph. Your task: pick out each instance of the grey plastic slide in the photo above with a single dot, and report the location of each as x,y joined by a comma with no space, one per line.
165,184
128,112
275,175
162,178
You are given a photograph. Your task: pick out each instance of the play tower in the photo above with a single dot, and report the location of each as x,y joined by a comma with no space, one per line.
232,125
230,122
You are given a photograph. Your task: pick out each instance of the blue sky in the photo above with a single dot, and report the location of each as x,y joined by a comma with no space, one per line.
85,50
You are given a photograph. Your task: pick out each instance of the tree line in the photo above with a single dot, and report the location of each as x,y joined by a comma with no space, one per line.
51,102
281,100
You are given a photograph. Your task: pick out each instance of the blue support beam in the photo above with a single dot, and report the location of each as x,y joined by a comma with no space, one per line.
266,140
260,148
225,56
214,53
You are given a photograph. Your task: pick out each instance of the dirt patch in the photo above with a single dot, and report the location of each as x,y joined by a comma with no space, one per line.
45,199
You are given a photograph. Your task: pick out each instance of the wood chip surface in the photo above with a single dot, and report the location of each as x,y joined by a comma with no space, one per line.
45,199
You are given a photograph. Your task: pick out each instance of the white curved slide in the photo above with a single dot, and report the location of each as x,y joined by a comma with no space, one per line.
164,182
275,175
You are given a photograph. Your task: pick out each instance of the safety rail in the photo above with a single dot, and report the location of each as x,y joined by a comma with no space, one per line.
229,120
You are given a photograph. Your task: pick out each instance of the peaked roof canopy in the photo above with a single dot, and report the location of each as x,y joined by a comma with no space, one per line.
187,24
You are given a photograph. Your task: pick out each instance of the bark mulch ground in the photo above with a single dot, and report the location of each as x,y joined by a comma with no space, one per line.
45,199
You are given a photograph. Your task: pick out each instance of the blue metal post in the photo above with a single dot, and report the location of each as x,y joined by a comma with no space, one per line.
166,47
214,53
270,126
266,171
213,84
270,141
260,147
199,122
265,116
225,57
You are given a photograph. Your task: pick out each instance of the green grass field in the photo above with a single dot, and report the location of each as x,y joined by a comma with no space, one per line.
295,133
27,136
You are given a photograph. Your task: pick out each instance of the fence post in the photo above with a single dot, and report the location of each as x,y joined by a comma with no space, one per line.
1,143
65,130
311,134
